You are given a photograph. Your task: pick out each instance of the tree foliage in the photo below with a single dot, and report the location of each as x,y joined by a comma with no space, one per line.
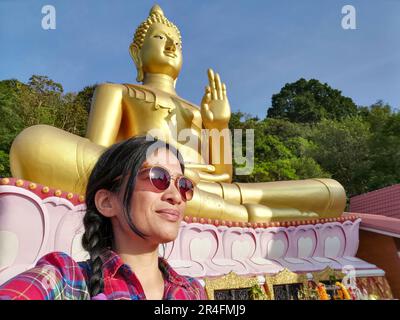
310,101
40,101
342,148
279,150
384,145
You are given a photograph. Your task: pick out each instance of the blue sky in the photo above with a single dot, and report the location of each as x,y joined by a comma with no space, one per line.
256,46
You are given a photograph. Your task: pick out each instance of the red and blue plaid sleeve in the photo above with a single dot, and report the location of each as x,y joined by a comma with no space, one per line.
199,289
56,276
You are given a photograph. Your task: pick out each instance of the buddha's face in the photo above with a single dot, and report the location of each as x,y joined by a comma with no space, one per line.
161,51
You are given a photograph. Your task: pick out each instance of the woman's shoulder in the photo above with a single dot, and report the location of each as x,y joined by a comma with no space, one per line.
55,276
66,264
56,258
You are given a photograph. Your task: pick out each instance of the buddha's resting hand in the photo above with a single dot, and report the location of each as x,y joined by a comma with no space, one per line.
215,108
202,172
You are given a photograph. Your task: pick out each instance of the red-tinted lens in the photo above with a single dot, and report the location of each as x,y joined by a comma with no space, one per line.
185,187
160,178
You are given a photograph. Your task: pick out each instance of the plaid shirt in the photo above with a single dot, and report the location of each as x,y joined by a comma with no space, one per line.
57,276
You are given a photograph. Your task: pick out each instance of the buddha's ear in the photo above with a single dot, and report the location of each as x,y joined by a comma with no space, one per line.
135,54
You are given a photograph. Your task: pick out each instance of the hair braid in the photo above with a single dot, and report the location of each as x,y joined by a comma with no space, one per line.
95,242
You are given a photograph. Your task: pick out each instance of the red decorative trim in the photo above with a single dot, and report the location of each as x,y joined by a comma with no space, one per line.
254,225
42,191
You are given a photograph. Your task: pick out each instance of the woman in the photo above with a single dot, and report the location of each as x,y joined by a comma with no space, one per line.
135,199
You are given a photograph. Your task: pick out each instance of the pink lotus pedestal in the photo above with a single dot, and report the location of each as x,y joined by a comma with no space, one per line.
35,220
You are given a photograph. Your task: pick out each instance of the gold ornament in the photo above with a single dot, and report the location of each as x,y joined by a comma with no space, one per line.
19,183
32,186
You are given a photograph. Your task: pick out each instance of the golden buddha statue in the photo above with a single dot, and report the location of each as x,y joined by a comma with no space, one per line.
58,159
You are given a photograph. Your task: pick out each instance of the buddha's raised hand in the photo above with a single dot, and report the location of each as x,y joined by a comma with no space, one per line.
215,108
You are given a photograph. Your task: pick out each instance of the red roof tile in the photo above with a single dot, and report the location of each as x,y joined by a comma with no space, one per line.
385,201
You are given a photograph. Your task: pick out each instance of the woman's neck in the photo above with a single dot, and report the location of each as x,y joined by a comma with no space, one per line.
140,261
160,81
145,267
138,254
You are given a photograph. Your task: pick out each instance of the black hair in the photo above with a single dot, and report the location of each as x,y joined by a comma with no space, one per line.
120,161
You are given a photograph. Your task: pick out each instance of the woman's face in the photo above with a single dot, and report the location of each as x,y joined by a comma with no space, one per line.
157,213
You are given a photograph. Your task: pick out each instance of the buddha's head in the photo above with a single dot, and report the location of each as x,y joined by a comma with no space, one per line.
157,46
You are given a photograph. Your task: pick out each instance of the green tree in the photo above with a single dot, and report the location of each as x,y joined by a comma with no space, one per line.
342,148
279,150
71,115
84,97
309,101
384,145
40,101
10,121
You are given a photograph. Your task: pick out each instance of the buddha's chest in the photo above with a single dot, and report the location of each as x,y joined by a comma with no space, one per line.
149,111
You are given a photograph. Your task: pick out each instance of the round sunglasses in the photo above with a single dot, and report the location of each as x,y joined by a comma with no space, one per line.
160,178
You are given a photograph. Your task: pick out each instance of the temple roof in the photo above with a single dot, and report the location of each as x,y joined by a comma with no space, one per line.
380,224
385,201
